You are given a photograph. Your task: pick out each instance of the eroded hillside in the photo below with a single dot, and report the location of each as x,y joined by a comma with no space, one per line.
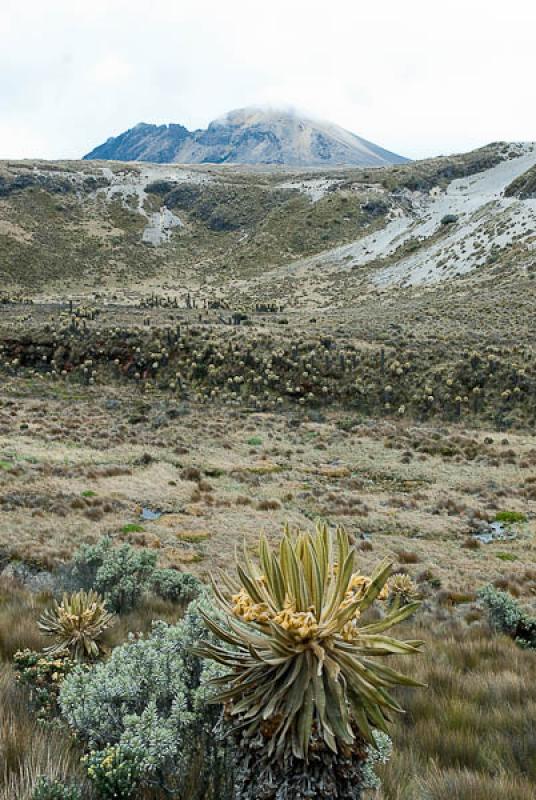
307,239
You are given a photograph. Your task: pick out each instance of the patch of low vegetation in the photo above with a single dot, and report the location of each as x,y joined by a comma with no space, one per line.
132,527
523,187
510,517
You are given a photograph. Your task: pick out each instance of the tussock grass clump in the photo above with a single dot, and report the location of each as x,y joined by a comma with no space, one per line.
19,611
471,735
463,784
28,751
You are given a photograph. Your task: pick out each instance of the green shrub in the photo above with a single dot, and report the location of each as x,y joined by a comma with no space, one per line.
124,574
178,587
47,789
113,772
132,527
507,616
43,675
120,574
510,517
149,700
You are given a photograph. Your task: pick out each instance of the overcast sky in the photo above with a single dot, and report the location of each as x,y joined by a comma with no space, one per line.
419,77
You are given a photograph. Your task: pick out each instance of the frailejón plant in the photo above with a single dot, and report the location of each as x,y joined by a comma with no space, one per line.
305,673
77,624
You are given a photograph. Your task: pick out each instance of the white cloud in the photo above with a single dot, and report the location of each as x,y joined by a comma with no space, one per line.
417,77
111,70
19,140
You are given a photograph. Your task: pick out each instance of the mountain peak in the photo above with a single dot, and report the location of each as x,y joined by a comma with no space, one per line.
250,135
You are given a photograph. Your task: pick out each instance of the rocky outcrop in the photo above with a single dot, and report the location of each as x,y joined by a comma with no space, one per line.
157,143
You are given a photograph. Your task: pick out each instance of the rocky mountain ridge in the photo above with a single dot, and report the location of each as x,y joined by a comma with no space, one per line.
247,136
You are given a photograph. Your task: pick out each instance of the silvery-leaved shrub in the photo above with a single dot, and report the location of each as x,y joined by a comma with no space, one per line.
123,575
47,789
507,616
120,574
178,587
149,700
380,754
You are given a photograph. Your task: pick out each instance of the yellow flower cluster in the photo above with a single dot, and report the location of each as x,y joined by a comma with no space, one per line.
108,762
357,587
243,606
350,631
303,624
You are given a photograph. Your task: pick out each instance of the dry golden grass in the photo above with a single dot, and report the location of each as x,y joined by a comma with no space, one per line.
19,612
471,735
29,751
215,488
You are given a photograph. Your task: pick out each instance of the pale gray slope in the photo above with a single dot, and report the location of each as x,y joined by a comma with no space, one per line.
485,220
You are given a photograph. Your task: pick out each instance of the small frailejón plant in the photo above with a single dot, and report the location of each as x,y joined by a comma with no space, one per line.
77,624
401,590
305,687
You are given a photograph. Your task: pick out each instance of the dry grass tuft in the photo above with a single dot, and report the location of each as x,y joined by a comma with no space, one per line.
448,784
19,611
472,734
27,750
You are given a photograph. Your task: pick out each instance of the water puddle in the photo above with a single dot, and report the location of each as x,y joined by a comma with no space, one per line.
496,532
149,515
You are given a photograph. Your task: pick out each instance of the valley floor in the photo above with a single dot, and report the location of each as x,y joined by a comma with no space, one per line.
79,464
